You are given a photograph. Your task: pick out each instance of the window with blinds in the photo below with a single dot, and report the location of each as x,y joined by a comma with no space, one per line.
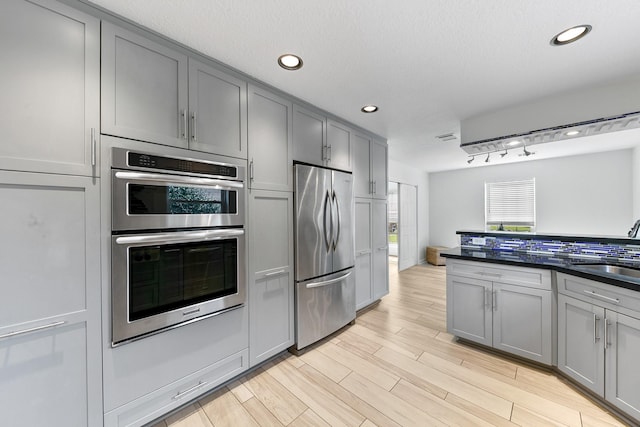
510,206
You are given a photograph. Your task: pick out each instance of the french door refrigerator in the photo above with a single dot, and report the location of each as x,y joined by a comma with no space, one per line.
324,252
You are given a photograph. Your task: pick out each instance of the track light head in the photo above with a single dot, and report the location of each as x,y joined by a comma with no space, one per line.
504,154
471,159
487,159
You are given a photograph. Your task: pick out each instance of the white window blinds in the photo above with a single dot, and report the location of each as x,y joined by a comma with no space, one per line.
512,203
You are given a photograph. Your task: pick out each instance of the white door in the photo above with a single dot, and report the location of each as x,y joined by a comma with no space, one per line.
408,226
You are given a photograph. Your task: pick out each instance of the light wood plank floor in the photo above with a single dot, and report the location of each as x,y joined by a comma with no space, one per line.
396,366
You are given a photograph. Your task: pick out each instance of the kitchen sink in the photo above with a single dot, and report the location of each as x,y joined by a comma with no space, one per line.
612,269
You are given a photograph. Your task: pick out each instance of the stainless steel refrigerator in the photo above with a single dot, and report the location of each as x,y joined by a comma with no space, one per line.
324,252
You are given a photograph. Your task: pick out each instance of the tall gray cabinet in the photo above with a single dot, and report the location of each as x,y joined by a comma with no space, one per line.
50,330
271,290
599,339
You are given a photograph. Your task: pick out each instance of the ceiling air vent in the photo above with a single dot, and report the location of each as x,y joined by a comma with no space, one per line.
446,137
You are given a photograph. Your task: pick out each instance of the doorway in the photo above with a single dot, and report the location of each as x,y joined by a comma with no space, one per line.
402,214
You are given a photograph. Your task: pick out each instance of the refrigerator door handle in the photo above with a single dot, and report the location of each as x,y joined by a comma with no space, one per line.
327,282
327,229
338,220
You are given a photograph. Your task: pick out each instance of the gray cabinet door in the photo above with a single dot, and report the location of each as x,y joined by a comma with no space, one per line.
338,150
309,136
49,80
217,111
362,184
144,89
580,342
622,374
50,327
271,293
270,141
469,312
379,169
364,252
522,321
380,249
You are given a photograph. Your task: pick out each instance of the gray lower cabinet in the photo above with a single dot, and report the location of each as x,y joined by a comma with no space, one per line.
152,92
271,288
270,141
372,265
50,85
50,339
599,339
508,308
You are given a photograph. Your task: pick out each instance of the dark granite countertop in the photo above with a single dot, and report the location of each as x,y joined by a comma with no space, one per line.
562,264
550,236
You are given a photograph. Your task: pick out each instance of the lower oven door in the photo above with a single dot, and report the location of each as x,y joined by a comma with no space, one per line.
161,280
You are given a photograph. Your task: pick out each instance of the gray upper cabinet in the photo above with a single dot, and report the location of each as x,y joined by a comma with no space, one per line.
217,111
153,93
50,341
309,136
144,89
338,148
270,141
369,167
49,80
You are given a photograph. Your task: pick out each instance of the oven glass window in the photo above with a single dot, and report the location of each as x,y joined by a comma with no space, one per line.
180,200
167,277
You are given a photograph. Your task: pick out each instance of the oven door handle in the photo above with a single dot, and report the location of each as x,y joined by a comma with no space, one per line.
178,179
179,237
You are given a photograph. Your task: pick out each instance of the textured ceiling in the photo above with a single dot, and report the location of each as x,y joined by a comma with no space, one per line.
426,63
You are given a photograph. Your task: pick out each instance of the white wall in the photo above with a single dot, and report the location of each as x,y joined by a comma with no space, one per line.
586,194
635,160
399,172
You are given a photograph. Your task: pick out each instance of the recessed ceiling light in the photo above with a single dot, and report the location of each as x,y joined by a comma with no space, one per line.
290,61
570,35
572,133
369,109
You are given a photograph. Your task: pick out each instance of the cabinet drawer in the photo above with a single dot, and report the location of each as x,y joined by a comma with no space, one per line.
525,276
166,399
602,294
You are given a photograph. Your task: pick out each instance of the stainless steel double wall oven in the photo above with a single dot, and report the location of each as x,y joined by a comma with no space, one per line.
178,243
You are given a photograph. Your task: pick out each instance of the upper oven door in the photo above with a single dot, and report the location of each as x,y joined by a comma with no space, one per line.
146,201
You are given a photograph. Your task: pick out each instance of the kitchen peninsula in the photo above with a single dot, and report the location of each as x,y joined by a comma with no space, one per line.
567,301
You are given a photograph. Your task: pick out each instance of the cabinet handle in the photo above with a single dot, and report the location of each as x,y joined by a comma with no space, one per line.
35,329
274,273
382,248
495,300
194,131
375,187
181,394
183,129
606,298
595,328
487,299
606,333
328,153
251,170
482,273
93,147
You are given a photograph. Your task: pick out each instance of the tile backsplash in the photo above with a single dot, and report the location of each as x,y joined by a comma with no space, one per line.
562,248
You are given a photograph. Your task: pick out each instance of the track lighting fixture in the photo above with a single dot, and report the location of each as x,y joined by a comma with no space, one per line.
504,154
471,159
526,153
487,159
